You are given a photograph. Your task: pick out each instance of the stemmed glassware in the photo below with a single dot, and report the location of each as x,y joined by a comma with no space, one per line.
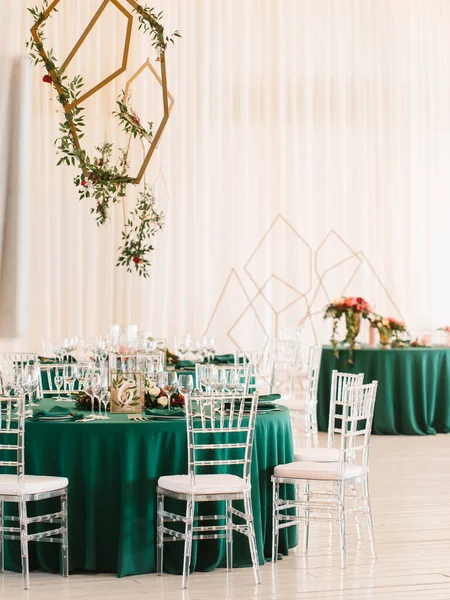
70,374
104,396
231,377
194,348
31,377
182,343
168,381
211,347
217,379
59,380
185,384
204,372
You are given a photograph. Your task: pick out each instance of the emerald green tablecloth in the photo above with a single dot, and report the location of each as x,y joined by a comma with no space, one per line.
413,395
113,467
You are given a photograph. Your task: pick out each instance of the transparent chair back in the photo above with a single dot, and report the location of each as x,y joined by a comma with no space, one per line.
294,334
312,384
223,415
12,427
260,369
230,379
339,381
53,380
284,365
358,403
17,362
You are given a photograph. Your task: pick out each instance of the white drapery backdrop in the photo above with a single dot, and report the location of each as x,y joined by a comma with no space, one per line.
307,155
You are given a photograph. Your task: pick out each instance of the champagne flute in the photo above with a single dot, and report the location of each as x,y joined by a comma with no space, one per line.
204,373
58,380
70,374
104,395
195,350
211,347
96,386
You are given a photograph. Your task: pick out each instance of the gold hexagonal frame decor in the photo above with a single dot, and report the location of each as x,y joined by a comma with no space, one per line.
98,178
162,79
155,139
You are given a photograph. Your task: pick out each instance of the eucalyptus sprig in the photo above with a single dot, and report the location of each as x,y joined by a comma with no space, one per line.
98,178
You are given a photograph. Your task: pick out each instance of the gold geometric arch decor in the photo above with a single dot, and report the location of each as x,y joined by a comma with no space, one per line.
98,178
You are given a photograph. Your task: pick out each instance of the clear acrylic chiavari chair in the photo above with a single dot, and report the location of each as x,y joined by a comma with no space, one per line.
321,487
18,488
260,369
218,448
331,454
18,362
284,365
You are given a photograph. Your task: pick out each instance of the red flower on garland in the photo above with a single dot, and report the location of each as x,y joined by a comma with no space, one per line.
136,260
47,79
84,183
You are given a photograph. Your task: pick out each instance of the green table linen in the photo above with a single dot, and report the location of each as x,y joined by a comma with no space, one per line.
413,396
113,467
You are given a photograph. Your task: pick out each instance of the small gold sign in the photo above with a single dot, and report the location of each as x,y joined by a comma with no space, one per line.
127,394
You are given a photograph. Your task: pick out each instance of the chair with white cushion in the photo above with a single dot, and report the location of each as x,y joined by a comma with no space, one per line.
330,453
220,438
18,488
321,486
309,404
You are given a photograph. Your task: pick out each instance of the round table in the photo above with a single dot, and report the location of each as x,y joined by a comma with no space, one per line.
413,396
113,467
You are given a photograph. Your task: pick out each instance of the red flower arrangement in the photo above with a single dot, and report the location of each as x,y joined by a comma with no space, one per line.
353,309
47,79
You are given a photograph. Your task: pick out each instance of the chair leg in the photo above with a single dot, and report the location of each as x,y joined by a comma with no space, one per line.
2,537
355,506
159,533
252,537
341,496
65,538
188,541
275,530
229,540
307,512
24,544
368,513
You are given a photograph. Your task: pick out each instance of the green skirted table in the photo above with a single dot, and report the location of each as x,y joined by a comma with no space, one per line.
113,468
413,395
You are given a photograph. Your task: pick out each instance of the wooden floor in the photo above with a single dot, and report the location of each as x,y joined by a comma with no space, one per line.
410,489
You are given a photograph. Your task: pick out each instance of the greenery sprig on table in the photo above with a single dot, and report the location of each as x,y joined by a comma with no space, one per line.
98,178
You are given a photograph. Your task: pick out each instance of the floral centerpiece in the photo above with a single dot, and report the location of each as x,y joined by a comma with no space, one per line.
156,397
388,328
352,309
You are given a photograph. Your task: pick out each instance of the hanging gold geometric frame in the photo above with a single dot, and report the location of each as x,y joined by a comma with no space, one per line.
157,136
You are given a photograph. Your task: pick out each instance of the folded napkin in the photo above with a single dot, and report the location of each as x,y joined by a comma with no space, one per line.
165,412
223,359
44,360
57,411
269,397
184,364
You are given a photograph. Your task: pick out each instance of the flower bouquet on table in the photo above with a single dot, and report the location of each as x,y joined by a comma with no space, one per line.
155,397
353,309
392,332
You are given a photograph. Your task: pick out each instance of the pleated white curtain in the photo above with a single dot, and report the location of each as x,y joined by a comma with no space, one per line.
307,155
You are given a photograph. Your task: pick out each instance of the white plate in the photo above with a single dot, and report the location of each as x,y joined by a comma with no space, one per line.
166,417
66,418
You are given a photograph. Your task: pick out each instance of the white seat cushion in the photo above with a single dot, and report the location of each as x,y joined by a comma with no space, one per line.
315,470
204,484
31,484
317,454
291,402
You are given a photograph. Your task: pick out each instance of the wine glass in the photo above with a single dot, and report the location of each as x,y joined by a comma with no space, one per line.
182,345
31,379
70,374
211,347
168,381
58,380
104,396
204,372
195,348
231,380
217,379
96,386
185,383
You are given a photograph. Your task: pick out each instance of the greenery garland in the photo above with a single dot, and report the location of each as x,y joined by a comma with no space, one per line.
99,179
